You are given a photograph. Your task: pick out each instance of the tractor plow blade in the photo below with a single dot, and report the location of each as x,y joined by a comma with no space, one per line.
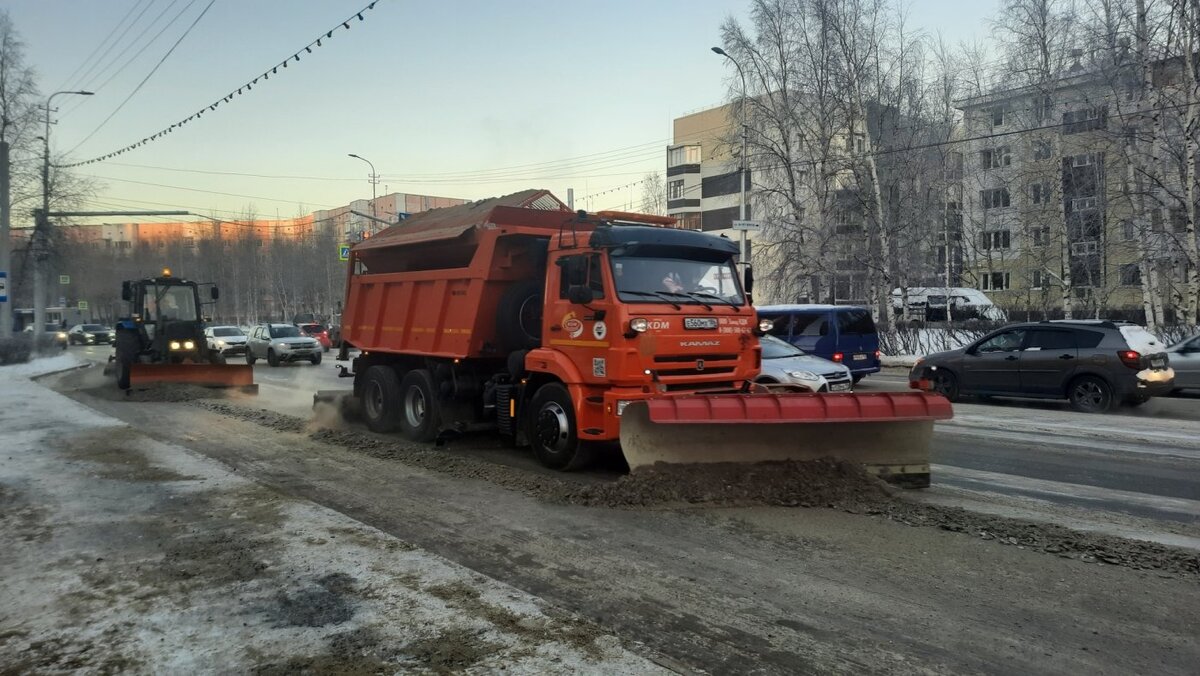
240,376
889,432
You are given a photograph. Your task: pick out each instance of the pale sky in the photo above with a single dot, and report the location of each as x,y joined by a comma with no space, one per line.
450,98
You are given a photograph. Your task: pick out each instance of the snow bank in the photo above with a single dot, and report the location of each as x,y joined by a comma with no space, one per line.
42,366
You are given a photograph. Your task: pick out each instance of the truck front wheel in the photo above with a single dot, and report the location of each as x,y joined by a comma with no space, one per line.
381,398
552,432
419,414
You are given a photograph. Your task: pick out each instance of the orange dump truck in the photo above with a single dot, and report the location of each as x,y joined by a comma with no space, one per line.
563,329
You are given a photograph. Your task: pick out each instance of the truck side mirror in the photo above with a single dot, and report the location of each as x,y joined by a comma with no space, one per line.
126,292
580,295
748,280
215,292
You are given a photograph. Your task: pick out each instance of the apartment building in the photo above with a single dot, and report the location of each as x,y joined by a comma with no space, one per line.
702,171
1051,200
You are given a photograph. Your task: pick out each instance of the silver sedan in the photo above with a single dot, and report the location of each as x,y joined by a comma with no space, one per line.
1185,359
786,364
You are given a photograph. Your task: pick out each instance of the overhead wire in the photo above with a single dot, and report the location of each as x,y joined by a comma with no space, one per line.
96,63
133,43
88,59
244,89
153,70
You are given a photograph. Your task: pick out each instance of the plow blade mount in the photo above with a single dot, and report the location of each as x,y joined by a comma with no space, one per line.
240,376
887,432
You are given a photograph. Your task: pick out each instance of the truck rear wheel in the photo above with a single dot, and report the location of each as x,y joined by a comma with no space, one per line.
419,414
552,431
381,398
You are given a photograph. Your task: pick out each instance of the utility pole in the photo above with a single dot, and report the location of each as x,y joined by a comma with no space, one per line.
742,164
374,182
5,243
41,228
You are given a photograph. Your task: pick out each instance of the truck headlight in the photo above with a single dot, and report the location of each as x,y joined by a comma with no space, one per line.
189,345
802,375
175,345
639,324
765,325
621,406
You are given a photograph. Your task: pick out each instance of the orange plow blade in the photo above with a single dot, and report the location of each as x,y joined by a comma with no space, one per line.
240,376
887,432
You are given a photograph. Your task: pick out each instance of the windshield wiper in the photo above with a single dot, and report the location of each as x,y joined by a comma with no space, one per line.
723,299
655,294
690,296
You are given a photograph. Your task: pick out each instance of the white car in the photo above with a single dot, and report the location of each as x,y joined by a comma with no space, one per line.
786,364
279,343
1185,359
226,340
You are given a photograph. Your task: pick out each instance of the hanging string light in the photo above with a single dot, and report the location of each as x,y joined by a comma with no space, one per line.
244,88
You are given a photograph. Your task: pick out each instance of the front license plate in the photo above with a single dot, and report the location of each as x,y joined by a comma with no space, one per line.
860,357
839,387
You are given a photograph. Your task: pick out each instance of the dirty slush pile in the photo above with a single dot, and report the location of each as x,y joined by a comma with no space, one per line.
822,483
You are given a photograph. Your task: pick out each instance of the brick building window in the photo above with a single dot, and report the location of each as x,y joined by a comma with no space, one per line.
1039,192
996,198
995,281
1131,275
999,239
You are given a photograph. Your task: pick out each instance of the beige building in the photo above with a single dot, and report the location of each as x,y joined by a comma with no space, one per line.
1051,201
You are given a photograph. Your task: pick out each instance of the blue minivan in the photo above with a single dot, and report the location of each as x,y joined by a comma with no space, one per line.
840,333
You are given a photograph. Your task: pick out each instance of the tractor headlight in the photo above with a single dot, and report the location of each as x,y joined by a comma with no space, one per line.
175,345
189,345
802,375
765,325
638,325
61,336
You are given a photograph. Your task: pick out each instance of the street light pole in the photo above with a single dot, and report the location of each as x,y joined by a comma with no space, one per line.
374,179
742,167
41,228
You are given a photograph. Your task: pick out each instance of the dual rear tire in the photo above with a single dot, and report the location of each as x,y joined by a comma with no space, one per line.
410,405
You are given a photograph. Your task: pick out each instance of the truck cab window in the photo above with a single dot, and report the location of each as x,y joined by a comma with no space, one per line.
582,270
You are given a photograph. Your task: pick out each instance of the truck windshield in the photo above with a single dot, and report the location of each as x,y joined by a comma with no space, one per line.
174,302
643,279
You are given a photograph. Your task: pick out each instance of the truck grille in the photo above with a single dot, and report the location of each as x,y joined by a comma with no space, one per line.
666,359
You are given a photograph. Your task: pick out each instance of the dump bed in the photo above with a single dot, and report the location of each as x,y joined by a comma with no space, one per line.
432,284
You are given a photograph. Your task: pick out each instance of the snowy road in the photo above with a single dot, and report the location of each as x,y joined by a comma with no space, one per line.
1141,463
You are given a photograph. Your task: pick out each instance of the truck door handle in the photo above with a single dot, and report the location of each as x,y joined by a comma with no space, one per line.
1010,358
556,327
1065,356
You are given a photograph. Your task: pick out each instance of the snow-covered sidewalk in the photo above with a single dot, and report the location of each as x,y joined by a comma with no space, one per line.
126,554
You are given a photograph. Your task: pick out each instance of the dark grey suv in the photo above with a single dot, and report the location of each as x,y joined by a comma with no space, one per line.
1096,365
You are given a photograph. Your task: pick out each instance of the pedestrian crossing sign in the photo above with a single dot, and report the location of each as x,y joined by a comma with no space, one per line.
343,252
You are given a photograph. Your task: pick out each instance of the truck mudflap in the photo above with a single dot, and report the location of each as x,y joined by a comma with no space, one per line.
888,433
240,376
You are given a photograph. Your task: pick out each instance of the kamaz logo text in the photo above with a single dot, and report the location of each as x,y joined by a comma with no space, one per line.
699,343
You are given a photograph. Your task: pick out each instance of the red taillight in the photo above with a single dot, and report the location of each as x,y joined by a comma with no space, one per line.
838,356
878,354
1130,358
